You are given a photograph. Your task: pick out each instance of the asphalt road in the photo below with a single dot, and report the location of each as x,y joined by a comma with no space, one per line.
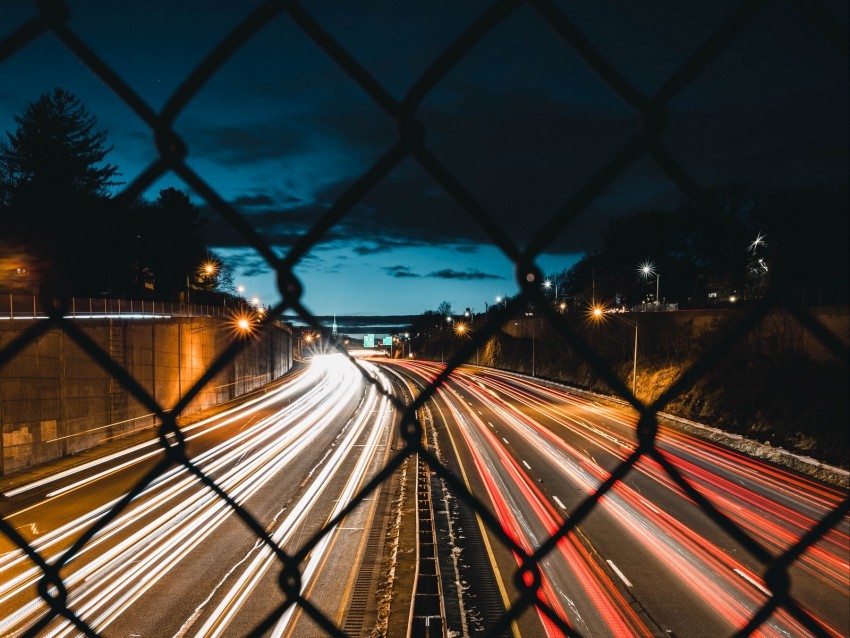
178,560
647,560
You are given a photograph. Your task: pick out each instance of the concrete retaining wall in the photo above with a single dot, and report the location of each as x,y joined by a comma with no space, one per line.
55,400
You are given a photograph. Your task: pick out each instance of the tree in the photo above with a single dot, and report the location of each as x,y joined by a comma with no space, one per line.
444,309
54,184
56,151
169,242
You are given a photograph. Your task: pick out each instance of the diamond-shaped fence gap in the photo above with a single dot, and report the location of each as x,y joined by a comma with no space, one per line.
516,174
521,505
180,43
285,163
763,110
52,66
394,233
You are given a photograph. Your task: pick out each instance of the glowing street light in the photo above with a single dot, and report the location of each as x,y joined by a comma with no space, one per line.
242,326
208,268
647,270
759,241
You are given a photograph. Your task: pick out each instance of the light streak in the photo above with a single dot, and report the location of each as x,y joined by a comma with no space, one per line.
175,515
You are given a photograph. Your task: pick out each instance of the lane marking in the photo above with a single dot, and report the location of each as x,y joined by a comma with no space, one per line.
505,440
527,466
560,504
619,573
752,582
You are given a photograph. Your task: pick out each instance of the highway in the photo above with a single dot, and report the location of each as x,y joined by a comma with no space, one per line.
179,561
647,561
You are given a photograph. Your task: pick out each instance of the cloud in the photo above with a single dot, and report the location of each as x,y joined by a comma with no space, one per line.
246,262
384,245
253,201
400,272
469,275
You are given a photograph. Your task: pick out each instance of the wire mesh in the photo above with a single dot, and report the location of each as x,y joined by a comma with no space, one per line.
410,144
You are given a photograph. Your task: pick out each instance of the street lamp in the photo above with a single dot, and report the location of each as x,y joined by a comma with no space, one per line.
647,270
242,325
598,315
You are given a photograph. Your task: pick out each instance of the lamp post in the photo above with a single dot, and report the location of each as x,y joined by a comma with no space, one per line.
548,284
598,315
533,331
647,270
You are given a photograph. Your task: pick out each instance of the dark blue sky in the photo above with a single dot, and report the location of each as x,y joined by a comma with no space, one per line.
281,132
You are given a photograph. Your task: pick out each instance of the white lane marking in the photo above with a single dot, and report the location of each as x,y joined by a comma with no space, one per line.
505,440
752,582
558,501
619,573
490,424
527,466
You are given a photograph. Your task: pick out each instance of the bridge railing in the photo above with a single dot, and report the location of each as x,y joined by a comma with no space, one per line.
31,307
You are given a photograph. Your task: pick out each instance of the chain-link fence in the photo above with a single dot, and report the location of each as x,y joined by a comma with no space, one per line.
410,144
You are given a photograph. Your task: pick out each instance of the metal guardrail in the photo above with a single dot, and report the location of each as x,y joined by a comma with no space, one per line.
52,19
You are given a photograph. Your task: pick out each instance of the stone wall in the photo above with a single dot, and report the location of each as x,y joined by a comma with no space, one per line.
56,400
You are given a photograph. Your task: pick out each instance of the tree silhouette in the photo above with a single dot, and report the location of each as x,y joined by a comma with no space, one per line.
55,184
169,242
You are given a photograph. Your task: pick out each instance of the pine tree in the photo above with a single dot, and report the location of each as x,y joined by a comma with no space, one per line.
54,183
56,151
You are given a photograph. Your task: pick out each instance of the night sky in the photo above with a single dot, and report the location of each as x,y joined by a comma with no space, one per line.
281,132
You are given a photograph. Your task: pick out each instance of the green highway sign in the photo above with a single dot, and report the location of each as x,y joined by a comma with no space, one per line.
388,341
368,341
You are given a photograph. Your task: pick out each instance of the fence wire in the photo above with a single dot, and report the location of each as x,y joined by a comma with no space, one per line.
53,18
